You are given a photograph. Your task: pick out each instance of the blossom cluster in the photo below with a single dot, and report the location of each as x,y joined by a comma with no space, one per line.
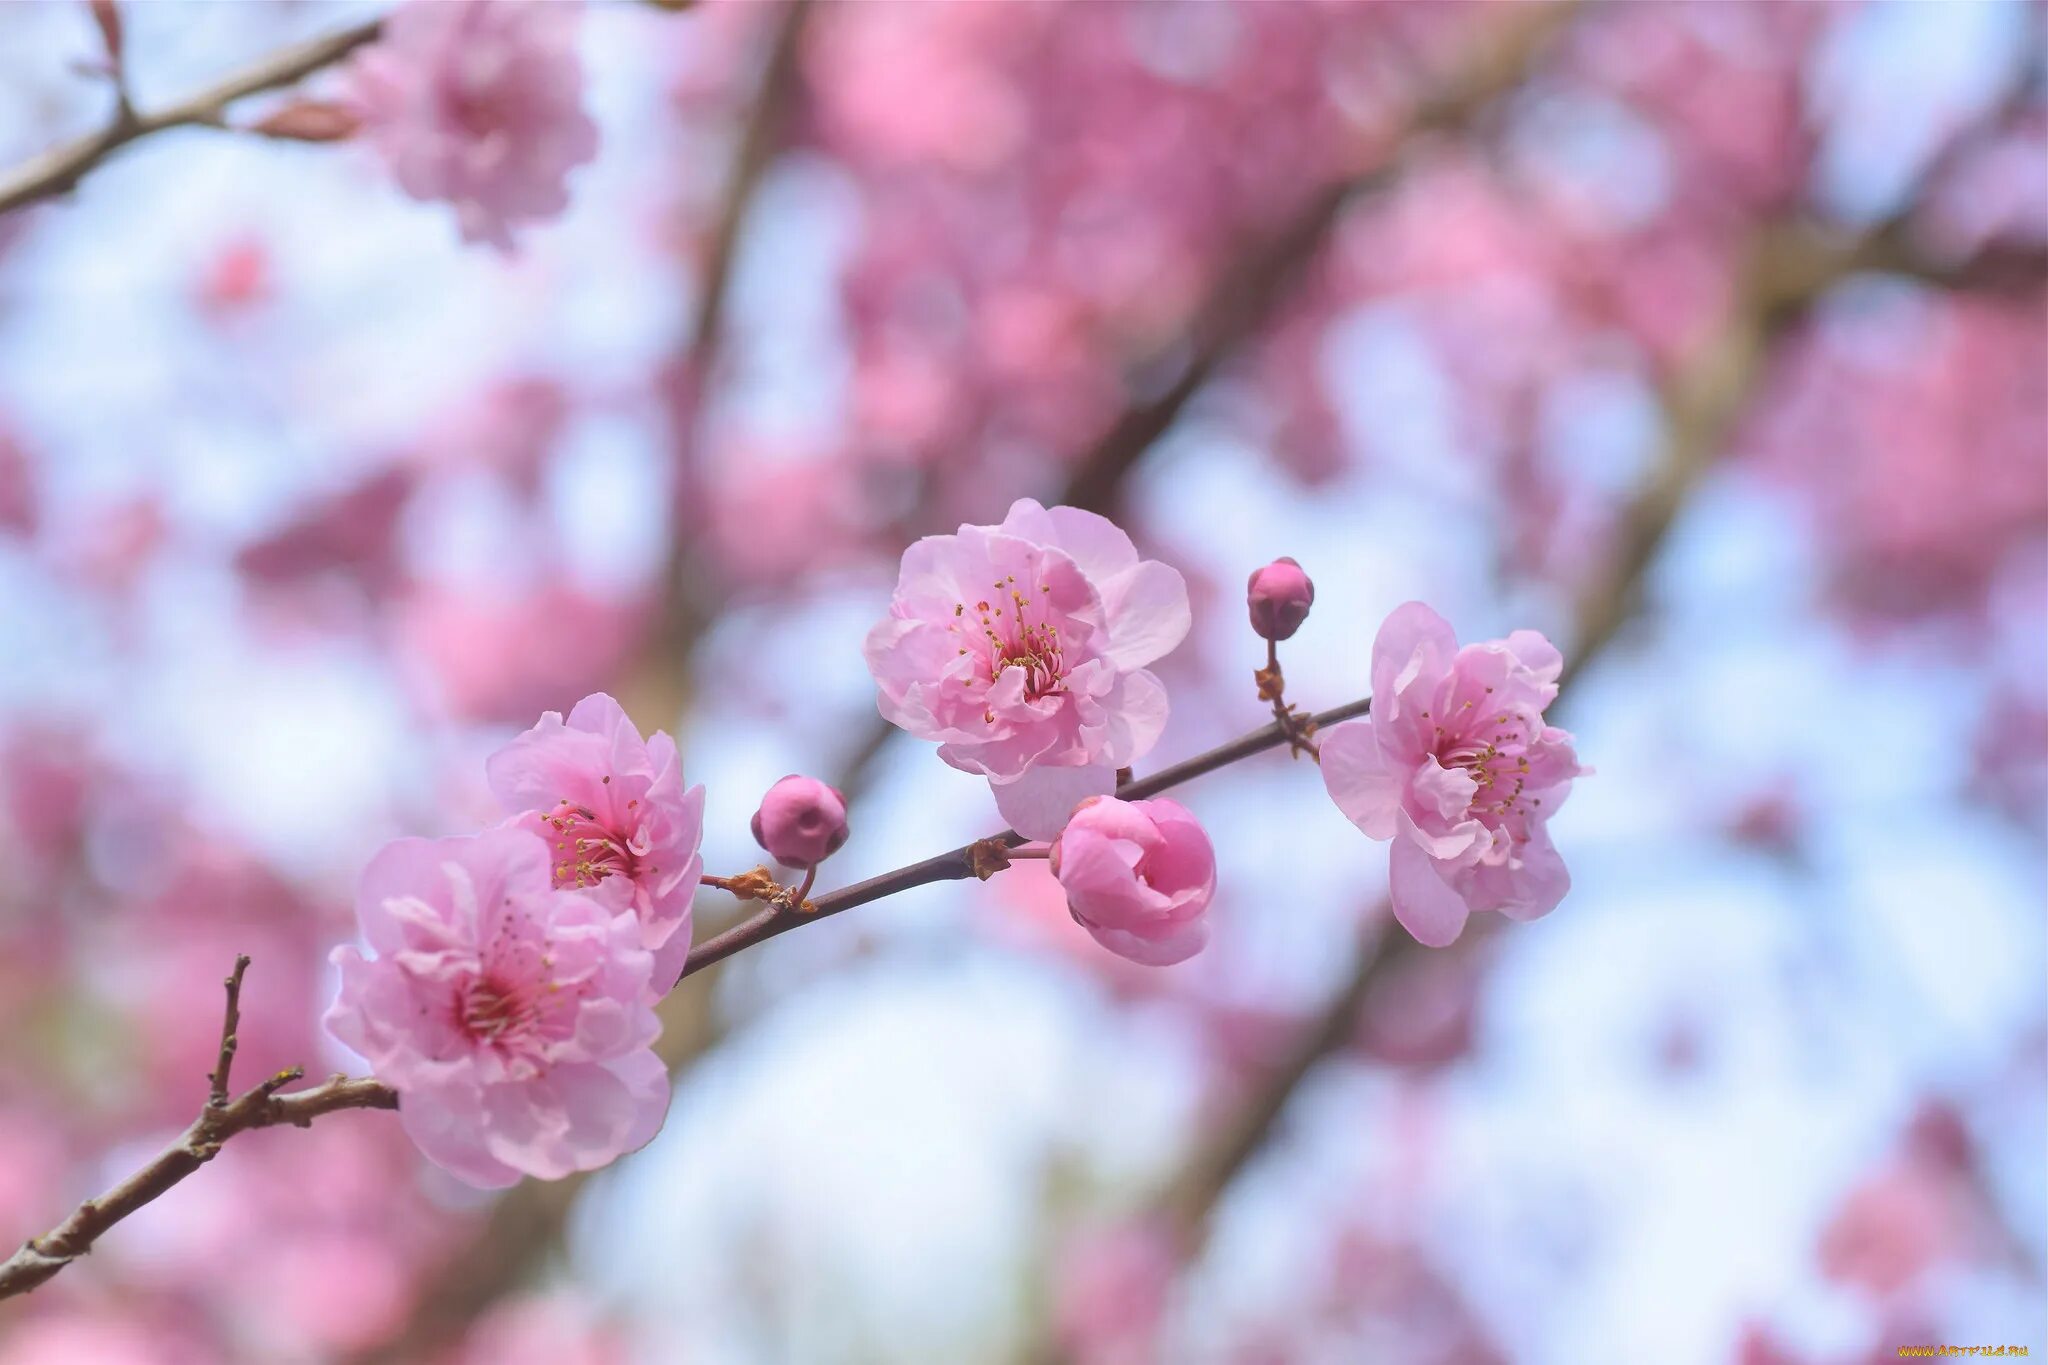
509,989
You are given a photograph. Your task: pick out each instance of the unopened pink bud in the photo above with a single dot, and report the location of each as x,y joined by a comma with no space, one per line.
1279,596
801,822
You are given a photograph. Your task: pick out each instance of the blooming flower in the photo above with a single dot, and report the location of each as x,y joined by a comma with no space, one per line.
615,816
1021,649
513,1019
1456,766
1138,875
479,103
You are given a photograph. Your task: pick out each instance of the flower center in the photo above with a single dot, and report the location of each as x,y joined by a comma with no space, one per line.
491,1011
585,851
1014,640
1496,754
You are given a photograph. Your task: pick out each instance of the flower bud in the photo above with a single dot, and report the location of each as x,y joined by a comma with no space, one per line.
801,822
1279,596
1138,876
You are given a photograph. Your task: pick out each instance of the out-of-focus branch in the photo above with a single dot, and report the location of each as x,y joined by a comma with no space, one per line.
1790,266
1248,293
685,610
61,168
261,1106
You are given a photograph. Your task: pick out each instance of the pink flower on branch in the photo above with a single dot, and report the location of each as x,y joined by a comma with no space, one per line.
616,817
1456,766
479,103
1138,876
1021,649
512,1019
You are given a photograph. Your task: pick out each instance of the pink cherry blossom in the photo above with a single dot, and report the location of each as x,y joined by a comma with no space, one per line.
1138,875
1021,649
1457,767
616,817
479,103
513,1019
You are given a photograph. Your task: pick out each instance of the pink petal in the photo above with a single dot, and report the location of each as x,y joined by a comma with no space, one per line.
1414,644
1358,779
1424,902
1038,803
1147,606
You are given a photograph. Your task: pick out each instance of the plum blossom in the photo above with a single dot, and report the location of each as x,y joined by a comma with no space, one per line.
1021,648
1456,766
479,103
616,817
512,1018
1138,875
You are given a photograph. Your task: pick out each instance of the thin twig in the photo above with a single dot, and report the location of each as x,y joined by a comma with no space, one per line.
261,1106
968,860
58,170
230,1025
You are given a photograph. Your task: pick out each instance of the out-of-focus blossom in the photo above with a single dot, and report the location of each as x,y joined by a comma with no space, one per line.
801,822
102,1334
491,655
353,534
1456,766
552,1330
1138,876
112,551
341,1259
1021,649
1110,1291
511,1017
511,429
480,103
1912,427
616,817
19,512
236,277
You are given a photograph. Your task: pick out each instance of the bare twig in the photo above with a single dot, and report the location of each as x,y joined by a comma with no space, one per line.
61,168
971,860
261,1106
230,1024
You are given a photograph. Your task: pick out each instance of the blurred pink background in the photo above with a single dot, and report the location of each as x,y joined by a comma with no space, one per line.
1705,336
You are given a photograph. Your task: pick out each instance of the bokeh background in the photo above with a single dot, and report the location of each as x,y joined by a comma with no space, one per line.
1706,337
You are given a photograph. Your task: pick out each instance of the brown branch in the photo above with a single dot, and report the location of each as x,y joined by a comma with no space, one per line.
261,1106
58,170
230,1024
970,860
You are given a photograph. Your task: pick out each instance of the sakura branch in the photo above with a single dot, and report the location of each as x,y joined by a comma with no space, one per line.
59,170
225,1116
984,857
474,103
